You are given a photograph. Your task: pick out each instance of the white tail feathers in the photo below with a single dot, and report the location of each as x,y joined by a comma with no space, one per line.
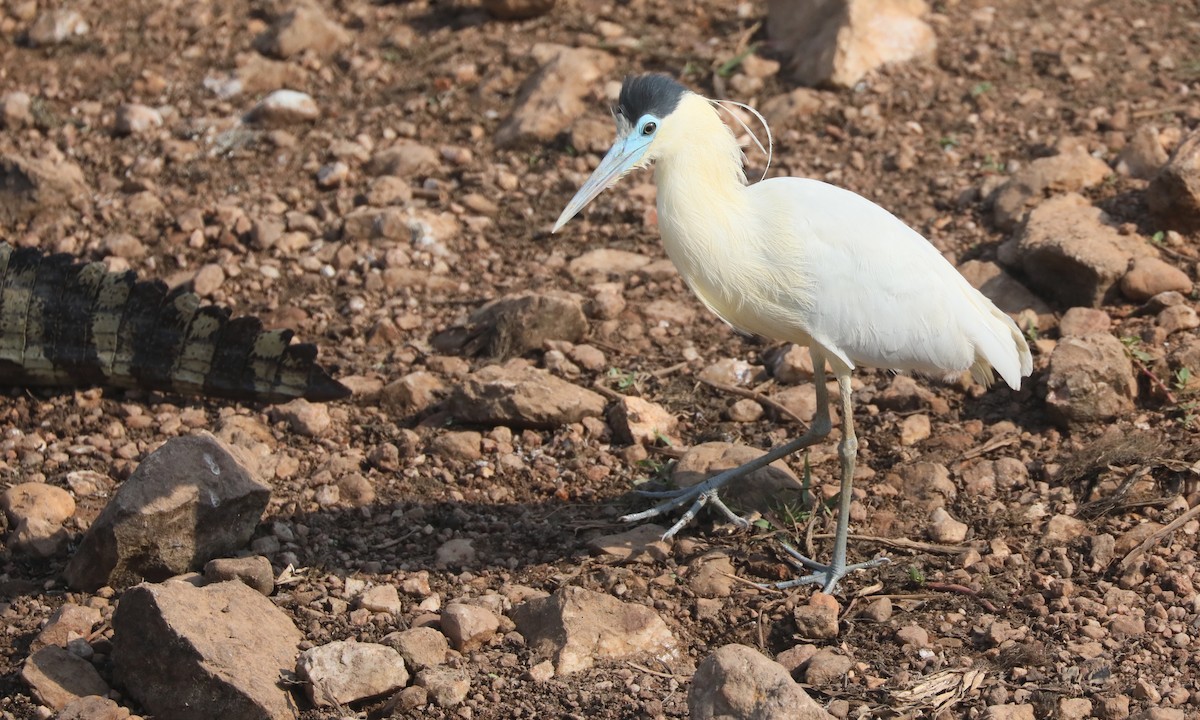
999,345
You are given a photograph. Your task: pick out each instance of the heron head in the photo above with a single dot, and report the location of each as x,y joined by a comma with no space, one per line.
645,101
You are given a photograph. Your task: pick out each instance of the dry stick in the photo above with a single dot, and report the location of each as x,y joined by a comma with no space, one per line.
1177,523
987,447
669,370
902,543
1143,369
648,671
758,397
964,590
1151,112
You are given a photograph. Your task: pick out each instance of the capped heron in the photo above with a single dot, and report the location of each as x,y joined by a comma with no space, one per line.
801,261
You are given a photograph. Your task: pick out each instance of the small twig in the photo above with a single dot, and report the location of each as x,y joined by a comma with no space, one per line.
1145,370
1174,525
1151,112
669,370
962,590
606,391
757,397
990,445
656,673
902,543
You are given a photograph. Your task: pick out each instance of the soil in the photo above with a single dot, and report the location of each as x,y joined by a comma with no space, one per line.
924,140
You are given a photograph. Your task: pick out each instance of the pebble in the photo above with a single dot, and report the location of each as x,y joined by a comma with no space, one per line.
818,620
1009,711
461,446
135,119
826,667
745,411
447,687
880,610
459,552
285,107
55,27
254,571
208,279
304,28
304,417
14,110
914,429
345,671
945,529
637,420
1080,321
333,175
914,635
468,626
1150,276
421,647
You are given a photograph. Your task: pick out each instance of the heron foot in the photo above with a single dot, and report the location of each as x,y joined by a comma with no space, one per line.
827,576
698,495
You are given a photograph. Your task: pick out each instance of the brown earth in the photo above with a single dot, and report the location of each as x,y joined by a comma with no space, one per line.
923,140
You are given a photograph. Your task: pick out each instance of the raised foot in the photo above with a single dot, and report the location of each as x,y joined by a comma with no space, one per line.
827,576
699,495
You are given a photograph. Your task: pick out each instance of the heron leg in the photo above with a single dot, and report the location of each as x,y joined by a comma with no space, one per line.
827,576
706,493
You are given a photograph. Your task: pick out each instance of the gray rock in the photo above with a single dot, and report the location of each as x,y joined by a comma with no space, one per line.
194,653
468,627
737,681
1174,193
839,42
57,677
513,325
69,622
575,627
186,503
1091,379
346,671
1064,173
521,398
307,27
447,687
41,188
553,97
1071,252
421,647
285,107
760,489
255,571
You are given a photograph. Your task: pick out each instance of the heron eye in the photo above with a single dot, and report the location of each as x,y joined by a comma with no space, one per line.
649,128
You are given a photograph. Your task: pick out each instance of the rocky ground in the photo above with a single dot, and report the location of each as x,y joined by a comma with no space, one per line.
446,543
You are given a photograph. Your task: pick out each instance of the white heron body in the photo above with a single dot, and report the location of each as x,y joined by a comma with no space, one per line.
807,262
801,261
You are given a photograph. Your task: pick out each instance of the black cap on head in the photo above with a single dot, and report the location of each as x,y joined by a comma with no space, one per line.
657,95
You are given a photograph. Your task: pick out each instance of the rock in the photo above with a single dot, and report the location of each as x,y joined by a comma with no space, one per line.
135,119
14,110
42,189
208,279
1150,276
416,392
1064,528
186,503
332,175
1090,380
447,687
801,400
1068,172
1174,193
635,420
914,635
1074,708
421,647
513,325
255,571
945,529
575,627
1144,156
737,681
461,446
521,398
68,623
381,599
285,107
1080,321
880,610
553,97
1071,252
57,677
55,27
517,10
306,28
1001,288
929,482
36,512
468,627
793,365
1113,708
839,42
789,109
827,667
745,411
459,552
914,429
1176,318
606,261
304,417
225,643
760,489
92,707
643,543
403,160
1009,711
346,671
712,576
729,371
818,620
